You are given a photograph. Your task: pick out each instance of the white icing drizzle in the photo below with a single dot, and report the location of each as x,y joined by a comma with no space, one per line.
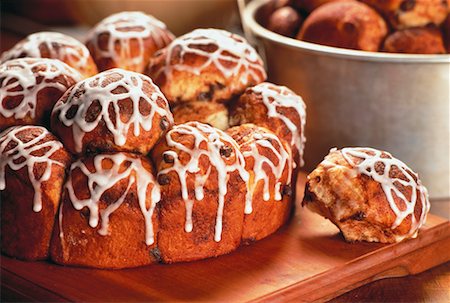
123,28
231,48
369,158
60,46
24,154
275,97
24,73
214,140
284,158
99,89
102,179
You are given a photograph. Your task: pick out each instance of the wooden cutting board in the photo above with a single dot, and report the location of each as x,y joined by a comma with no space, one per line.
307,260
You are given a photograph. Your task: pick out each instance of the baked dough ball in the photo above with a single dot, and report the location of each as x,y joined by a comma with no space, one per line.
30,87
116,110
54,46
269,163
276,108
412,13
127,40
108,216
203,185
310,5
425,40
32,170
285,21
368,194
206,65
214,114
346,24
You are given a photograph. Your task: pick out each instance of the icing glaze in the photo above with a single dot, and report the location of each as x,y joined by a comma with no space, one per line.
27,77
283,160
103,179
27,154
232,55
213,139
371,161
275,97
124,29
60,46
101,89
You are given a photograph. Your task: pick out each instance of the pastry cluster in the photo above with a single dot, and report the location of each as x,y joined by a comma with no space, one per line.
156,158
395,26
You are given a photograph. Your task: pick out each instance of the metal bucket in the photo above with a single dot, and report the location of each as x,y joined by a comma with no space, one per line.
394,102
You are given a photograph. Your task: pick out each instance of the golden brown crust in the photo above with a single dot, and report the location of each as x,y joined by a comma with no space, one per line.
89,121
206,65
426,40
267,213
174,242
410,13
124,245
214,114
357,204
347,24
26,233
127,40
46,81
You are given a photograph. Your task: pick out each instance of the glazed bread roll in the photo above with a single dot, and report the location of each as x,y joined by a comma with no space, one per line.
206,65
422,40
32,170
116,110
410,13
368,194
346,24
108,216
276,108
127,40
54,46
29,88
203,185
214,114
269,163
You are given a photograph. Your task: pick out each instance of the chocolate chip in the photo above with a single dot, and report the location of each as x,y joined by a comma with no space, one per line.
84,213
156,254
164,124
205,96
225,151
407,5
163,179
72,111
168,158
287,190
318,179
358,216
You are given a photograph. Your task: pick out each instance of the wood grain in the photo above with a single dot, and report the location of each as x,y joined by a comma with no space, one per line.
307,260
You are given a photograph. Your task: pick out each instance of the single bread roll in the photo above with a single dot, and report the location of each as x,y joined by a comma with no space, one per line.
127,40
424,40
214,114
203,185
108,216
29,88
368,194
32,172
116,110
54,46
346,24
206,65
285,21
269,190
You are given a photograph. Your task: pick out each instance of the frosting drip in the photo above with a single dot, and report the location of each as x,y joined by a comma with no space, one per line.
275,97
283,156
103,179
125,28
214,140
229,48
20,78
101,90
378,165
27,154
60,46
